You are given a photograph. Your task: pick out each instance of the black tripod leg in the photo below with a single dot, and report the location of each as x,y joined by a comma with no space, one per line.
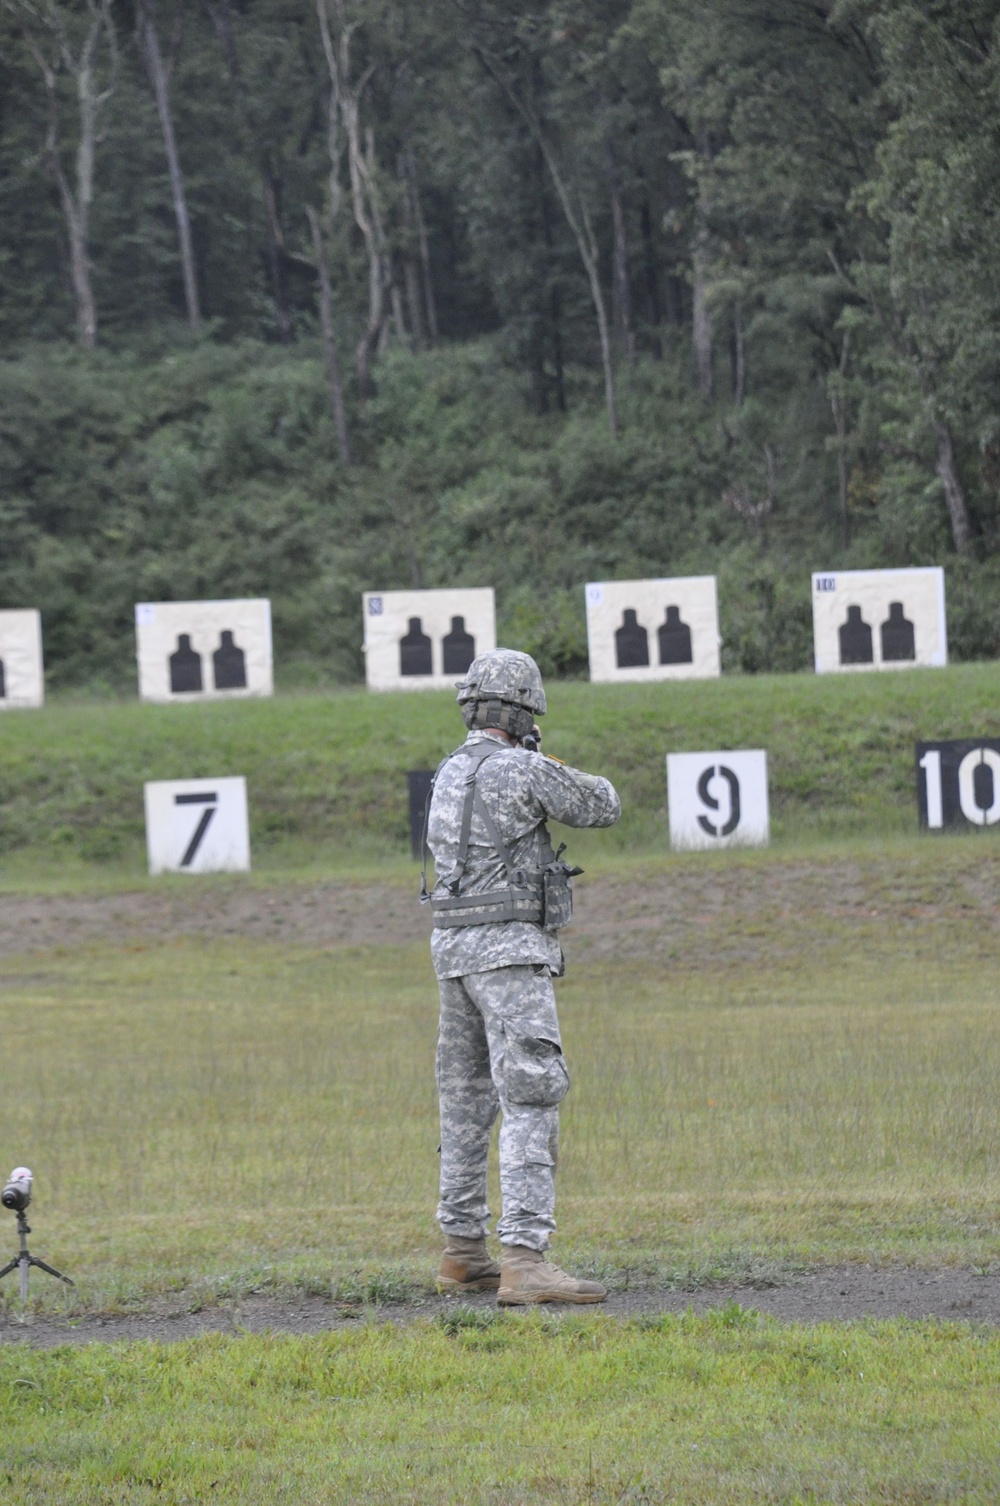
11,1265
34,1260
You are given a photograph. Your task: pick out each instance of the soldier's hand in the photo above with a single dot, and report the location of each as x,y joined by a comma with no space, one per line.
533,739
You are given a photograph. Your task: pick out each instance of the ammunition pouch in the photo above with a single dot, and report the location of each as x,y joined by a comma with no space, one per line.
557,893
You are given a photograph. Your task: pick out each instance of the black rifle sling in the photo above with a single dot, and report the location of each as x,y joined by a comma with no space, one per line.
480,755
492,831
472,796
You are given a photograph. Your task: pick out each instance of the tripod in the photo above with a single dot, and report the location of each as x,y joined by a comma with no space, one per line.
24,1260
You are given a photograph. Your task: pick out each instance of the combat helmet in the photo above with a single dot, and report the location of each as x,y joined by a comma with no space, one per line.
502,689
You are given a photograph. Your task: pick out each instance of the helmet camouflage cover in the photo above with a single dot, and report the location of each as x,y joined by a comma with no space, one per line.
502,689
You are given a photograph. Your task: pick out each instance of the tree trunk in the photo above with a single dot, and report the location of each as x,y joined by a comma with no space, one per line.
222,20
331,358
620,280
75,201
954,492
346,97
579,222
425,249
701,319
76,212
839,411
555,309
411,273
652,279
739,358
161,91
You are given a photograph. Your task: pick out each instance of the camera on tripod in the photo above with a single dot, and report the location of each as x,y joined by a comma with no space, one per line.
17,1194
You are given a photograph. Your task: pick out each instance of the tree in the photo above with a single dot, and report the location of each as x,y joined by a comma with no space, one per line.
935,191
62,49
159,77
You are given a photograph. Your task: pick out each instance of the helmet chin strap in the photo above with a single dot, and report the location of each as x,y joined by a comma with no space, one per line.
504,715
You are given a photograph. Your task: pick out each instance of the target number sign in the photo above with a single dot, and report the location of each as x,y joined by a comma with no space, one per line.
958,783
197,826
718,799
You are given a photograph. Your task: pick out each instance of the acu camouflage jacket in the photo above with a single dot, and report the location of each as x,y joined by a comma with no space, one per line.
520,790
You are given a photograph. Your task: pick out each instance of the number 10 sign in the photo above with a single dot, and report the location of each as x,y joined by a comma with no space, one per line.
197,826
958,783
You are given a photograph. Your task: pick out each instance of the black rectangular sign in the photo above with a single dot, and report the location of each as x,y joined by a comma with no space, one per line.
958,783
418,784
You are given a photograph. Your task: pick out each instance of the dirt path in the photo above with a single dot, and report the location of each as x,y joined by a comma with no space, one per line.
661,915
835,1293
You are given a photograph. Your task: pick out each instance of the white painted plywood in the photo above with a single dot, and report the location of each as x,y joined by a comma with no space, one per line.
653,629
878,619
425,640
203,650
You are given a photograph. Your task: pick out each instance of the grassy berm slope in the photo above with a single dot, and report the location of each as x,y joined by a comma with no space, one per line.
326,772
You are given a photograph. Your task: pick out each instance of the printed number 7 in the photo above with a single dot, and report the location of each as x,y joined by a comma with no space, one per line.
211,802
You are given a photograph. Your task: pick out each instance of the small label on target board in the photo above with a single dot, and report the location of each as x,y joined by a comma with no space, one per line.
197,825
718,799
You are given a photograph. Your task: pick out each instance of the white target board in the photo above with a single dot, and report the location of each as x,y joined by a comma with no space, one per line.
653,629
197,825
878,619
425,640
203,650
22,678
718,799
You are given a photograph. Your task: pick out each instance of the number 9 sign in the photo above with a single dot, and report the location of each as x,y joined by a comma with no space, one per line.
718,799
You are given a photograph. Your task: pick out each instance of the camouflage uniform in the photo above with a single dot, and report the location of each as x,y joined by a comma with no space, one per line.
499,1045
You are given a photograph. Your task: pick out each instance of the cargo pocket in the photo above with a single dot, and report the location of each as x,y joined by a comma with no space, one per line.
534,1071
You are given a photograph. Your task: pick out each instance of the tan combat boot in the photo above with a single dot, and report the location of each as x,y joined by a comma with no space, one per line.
527,1277
466,1267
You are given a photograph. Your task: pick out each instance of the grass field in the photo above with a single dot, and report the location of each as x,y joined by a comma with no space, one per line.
780,1059
791,1081
504,1410
326,772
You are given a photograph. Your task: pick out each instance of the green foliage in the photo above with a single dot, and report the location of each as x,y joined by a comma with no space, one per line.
819,187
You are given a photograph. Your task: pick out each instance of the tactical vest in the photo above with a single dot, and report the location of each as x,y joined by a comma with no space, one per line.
540,896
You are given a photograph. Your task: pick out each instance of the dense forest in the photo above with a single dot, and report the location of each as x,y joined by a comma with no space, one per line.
301,297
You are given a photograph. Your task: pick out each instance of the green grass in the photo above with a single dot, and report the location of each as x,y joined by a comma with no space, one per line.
788,1084
325,771
726,1408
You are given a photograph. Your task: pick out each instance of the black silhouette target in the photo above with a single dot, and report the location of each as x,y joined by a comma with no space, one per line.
631,642
229,665
855,636
458,648
185,667
3,681
899,642
674,639
415,654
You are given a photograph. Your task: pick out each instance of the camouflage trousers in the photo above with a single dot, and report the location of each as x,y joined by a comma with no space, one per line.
499,1051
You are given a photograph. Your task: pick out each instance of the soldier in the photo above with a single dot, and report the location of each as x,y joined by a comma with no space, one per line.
501,894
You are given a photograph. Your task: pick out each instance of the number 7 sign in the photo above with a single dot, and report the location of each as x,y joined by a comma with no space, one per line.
197,826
